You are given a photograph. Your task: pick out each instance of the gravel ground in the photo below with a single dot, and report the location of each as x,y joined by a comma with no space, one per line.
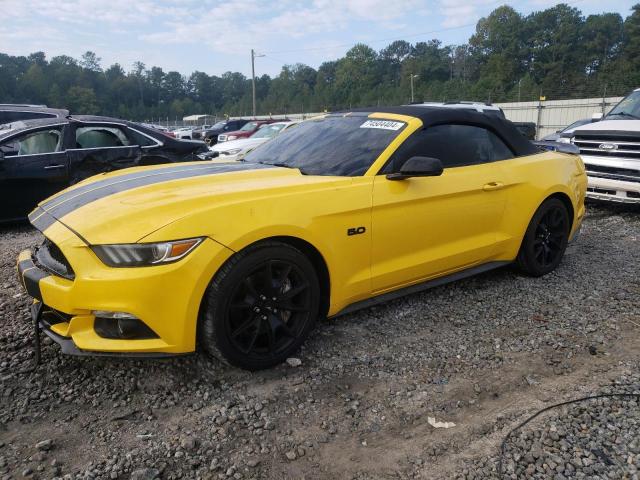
484,353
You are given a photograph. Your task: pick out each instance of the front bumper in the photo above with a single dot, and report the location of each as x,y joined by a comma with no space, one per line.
165,298
609,190
613,179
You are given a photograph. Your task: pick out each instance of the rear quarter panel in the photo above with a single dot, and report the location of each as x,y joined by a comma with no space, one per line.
531,180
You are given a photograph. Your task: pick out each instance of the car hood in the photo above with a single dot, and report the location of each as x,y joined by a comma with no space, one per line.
610,126
127,205
242,143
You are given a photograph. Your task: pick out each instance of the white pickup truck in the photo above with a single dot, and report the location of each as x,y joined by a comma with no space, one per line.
610,150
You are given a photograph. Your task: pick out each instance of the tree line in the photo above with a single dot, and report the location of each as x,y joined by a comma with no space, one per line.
557,53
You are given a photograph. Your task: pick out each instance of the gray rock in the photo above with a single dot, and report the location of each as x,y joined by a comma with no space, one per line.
145,474
291,455
45,445
294,362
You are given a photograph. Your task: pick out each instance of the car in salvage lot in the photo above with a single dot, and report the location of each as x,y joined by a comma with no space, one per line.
246,131
41,157
210,136
341,212
555,136
610,149
184,133
237,149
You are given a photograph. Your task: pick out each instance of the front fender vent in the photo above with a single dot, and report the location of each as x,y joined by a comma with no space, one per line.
50,258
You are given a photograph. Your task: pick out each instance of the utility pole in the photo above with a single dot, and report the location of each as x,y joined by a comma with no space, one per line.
253,78
411,77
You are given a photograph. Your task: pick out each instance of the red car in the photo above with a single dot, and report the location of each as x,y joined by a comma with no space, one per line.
249,129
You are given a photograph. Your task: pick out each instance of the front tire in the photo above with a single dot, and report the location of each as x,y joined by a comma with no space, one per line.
260,306
545,240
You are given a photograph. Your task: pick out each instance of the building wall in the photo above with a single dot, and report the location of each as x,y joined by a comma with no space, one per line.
552,115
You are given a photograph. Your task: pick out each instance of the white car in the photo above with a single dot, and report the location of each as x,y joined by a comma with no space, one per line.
184,133
610,150
237,149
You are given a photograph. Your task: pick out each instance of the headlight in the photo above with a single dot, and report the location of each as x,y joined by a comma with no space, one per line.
144,254
233,151
231,137
564,140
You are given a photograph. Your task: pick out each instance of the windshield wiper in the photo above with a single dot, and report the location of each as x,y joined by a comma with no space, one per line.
283,165
274,164
626,114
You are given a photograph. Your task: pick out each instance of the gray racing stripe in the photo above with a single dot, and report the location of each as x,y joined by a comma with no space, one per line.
65,196
45,215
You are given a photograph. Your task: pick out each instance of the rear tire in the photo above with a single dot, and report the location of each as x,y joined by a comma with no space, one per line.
260,306
545,240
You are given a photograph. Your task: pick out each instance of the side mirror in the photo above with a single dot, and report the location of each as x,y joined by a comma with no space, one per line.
418,167
596,116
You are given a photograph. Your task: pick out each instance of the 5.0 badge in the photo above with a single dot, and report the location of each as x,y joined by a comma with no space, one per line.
356,231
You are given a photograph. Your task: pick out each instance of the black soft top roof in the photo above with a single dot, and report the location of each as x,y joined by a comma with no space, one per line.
433,115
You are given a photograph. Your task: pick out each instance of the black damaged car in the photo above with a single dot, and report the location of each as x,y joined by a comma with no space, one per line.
41,157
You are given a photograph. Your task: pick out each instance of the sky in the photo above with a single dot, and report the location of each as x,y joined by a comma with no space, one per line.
215,36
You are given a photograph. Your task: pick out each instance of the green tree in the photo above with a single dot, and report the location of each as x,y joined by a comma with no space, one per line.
35,84
500,50
555,58
82,101
631,45
90,61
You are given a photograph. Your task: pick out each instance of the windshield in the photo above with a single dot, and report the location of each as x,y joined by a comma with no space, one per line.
629,107
249,126
268,131
333,145
219,124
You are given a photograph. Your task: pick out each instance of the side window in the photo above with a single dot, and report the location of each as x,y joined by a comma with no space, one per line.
45,141
100,137
140,139
454,145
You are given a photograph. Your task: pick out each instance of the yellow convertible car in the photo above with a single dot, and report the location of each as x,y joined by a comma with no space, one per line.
339,213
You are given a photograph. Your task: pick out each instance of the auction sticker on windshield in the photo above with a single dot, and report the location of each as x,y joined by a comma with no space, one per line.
382,124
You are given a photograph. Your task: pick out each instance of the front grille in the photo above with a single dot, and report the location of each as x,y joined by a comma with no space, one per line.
614,173
615,146
50,258
601,190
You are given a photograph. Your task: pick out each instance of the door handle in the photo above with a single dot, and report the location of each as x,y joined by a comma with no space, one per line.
54,167
493,186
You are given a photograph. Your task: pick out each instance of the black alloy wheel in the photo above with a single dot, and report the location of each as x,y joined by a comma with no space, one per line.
260,307
269,309
546,238
548,242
